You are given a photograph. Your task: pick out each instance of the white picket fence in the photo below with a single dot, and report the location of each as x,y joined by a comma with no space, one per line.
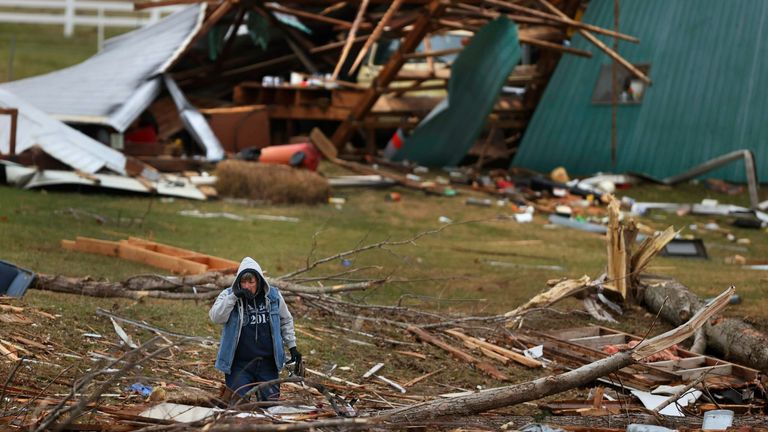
72,13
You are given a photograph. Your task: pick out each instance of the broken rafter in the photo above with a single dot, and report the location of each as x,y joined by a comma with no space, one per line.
350,39
597,42
420,28
376,34
561,17
311,16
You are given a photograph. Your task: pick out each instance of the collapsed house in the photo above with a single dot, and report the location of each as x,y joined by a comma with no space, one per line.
224,78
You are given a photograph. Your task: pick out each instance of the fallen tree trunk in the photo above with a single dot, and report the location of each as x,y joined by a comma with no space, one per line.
734,339
532,390
195,287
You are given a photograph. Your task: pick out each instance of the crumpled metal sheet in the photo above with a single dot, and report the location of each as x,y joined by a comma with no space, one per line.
477,76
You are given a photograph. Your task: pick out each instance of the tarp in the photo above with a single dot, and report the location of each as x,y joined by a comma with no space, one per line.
445,136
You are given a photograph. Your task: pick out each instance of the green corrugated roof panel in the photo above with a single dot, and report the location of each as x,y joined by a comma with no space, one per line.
709,66
477,75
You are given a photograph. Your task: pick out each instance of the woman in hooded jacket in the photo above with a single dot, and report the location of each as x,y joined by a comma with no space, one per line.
257,326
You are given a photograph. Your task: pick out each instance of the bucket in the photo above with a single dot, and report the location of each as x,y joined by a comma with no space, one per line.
289,154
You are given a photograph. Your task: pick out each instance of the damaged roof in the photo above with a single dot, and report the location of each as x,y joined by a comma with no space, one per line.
114,86
72,147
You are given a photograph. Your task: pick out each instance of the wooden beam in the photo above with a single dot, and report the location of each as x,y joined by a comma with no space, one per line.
420,28
430,54
597,42
376,34
210,21
553,46
507,353
561,17
14,114
309,15
350,38
139,254
459,354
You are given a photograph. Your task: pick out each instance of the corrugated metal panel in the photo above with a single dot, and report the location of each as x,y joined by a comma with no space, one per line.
114,86
36,128
709,66
448,132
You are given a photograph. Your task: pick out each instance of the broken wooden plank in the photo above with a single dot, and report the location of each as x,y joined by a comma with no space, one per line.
350,39
417,380
459,354
177,265
91,245
511,355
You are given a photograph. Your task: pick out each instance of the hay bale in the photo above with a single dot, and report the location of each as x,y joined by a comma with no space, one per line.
277,184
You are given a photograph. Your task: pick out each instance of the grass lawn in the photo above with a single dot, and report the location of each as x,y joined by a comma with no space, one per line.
39,49
449,271
485,265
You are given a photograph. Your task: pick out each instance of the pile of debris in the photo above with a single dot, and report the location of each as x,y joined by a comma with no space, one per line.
145,376
209,82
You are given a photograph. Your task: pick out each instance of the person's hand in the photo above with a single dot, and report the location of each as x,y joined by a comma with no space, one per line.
238,292
295,355
298,368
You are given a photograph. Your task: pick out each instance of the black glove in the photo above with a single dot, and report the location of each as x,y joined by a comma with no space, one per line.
298,368
238,292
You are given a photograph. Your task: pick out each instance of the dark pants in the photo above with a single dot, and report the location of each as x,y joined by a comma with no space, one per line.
245,376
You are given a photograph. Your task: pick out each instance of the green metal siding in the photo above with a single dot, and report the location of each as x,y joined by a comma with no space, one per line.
709,66
445,136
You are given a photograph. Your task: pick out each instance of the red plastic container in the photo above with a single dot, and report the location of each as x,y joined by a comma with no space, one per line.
303,155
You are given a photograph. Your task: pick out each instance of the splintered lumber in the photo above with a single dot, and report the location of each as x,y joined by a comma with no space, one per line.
735,339
506,353
515,394
459,354
7,354
617,255
649,248
558,292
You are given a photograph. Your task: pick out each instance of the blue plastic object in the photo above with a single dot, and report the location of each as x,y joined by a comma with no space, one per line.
14,280
141,389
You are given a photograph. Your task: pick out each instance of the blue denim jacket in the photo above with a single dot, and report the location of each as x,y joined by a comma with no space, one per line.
228,310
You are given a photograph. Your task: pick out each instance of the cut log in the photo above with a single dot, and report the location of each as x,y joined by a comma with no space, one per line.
191,287
734,339
532,390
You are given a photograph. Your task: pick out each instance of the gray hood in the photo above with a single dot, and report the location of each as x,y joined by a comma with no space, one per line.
249,264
